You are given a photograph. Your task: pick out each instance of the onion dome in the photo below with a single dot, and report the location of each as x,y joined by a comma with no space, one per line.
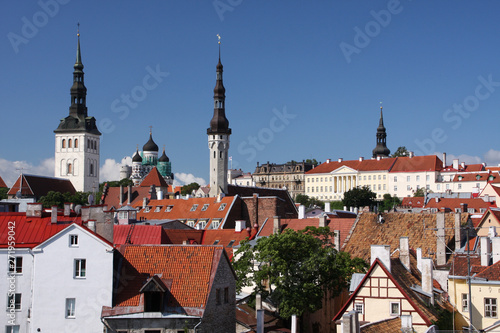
150,145
137,157
163,157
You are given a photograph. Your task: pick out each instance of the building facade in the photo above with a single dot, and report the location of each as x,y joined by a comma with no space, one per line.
77,139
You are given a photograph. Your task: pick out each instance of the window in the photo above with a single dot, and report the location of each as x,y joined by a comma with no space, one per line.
15,265
465,302
194,207
407,178
73,240
490,307
369,177
222,206
169,208
459,186
215,224
379,187
358,307
80,268
428,177
395,188
63,143
191,223
378,177
202,224
226,295
384,177
231,243
70,308
217,296
394,309
447,186
76,143
205,207
12,329
14,301
384,187
158,209
438,187
69,143
147,209
216,242
408,187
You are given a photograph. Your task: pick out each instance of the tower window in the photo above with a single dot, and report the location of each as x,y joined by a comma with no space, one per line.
63,143
69,143
88,144
91,169
76,143
220,154
70,169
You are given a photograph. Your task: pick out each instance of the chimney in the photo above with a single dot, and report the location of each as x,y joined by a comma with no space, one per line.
144,202
458,234
327,207
67,209
419,259
455,164
129,195
276,225
322,221
121,195
383,253
336,239
444,160
340,160
492,231
495,249
406,324
350,322
462,165
260,321
412,154
53,215
91,225
378,158
436,199
361,159
240,225
427,278
302,211
485,251
34,210
152,192
404,252
294,323
328,160
440,240
345,208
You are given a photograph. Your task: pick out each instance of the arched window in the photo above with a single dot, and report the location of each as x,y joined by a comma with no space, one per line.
214,154
69,143
91,168
70,169
76,143
63,143
88,144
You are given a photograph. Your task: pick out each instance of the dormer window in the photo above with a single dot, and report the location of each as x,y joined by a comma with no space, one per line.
195,206
460,177
158,209
222,206
154,291
147,209
169,208
478,177
205,207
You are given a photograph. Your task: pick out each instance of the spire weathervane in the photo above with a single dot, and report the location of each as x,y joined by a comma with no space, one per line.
218,37
78,29
150,129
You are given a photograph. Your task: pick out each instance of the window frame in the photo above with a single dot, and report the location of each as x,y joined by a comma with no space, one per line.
465,302
80,271
222,206
73,240
391,304
13,265
361,306
17,297
490,309
70,308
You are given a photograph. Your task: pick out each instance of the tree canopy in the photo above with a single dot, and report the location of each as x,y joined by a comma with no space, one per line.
312,161
308,201
3,192
389,202
189,188
420,192
359,197
58,199
401,151
295,268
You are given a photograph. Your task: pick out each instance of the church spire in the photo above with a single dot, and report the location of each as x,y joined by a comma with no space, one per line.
381,148
78,91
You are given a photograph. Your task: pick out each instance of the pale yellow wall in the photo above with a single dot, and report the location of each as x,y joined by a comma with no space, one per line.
378,181
488,221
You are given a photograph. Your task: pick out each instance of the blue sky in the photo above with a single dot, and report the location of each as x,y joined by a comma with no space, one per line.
303,79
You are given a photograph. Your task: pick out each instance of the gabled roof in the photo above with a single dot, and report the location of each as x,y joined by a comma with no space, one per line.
39,186
452,203
467,168
414,202
328,167
417,163
139,234
112,198
477,177
72,226
190,268
179,236
154,178
2,183
495,212
420,226
31,231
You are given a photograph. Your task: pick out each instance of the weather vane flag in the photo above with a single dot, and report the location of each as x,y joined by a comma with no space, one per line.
218,37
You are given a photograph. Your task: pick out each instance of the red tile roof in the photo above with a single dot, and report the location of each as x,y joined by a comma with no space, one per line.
2,183
39,186
417,163
377,165
179,236
476,203
154,178
139,234
225,237
474,177
189,268
112,198
30,231
414,202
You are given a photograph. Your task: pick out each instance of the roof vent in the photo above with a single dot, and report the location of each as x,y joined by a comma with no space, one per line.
340,160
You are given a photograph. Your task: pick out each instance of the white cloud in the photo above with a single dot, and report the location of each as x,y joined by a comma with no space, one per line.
10,170
491,158
110,170
181,178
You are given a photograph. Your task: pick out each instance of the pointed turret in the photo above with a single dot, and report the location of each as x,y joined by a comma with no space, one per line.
381,148
219,123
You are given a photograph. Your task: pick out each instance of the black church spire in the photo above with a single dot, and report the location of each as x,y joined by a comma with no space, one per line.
381,148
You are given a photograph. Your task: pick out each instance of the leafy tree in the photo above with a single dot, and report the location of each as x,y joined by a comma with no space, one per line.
389,202
401,151
295,268
359,197
336,205
188,189
420,192
308,201
312,161
118,183
53,198
3,192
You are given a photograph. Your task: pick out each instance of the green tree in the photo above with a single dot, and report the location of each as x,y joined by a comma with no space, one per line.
188,189
401,151
420,192
53,198
308,201
312,161
295,268
389,202
3,192
359,197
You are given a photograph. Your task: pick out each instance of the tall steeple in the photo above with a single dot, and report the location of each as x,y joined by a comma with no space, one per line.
381,148
77,151
218,137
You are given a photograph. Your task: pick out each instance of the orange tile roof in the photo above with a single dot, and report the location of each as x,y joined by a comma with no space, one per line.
190,268
224,237
452,203
139,234
480,176
2,183
112,199
179,236
391,325
414,202
417,163
154,178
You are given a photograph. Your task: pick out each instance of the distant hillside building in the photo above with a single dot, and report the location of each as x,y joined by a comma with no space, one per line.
290,176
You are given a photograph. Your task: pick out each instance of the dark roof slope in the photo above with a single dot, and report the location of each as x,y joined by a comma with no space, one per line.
39,186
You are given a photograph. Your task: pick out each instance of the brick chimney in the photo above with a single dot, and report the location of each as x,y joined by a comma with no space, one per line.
383,253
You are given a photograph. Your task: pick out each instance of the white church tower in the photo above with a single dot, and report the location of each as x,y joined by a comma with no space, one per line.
218,138
77,138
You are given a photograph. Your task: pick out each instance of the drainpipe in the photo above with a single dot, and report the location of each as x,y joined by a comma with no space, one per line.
196,326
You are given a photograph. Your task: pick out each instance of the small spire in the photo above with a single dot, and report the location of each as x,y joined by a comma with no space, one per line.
78,62
381,121
218,37
150,130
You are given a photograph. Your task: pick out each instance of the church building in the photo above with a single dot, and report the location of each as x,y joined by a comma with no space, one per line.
77,138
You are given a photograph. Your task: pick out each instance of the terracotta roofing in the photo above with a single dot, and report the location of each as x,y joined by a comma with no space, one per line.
246,316
459,267
2,183
328,167
154,178
467,168
417,163
377,164
497,168
452,203
479,176
391,325
139,234
415,202
189,268
39,186
31,231
190,209
228,238
112,198
179,236
418,226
